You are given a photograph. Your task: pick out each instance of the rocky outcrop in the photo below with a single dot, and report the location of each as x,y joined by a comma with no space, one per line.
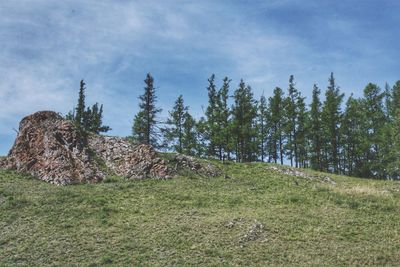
301,173
54,150
3,162
193,165
127,160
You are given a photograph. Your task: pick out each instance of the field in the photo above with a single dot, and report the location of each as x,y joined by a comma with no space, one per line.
252,216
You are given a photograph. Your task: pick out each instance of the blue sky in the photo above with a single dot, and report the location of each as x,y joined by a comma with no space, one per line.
48,46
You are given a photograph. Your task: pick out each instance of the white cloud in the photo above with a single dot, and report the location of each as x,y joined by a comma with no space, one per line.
48,46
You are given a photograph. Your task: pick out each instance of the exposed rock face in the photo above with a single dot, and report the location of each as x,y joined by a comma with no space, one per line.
50,148
183,162
125,159
3,162
302,174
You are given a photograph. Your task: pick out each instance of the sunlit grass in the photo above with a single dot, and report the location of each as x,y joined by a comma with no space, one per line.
253,218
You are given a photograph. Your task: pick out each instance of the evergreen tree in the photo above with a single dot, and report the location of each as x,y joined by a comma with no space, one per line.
212,123
331,117
91,119
189,141
393,167
352,131
394,100
276,122
223,127
175,132
374,121
315,134
387,100
138,132
244,115
80,108
291,121
393,146
387,133
301,143
71,115
201,137
144,125
262,125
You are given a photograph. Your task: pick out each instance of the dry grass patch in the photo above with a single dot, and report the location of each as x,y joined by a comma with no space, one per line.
363,190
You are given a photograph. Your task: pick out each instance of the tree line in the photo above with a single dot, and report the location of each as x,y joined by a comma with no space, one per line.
359,137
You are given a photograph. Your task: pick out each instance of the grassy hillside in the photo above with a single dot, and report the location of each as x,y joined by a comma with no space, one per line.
257,217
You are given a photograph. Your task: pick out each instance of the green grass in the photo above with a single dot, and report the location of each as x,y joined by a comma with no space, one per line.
255,218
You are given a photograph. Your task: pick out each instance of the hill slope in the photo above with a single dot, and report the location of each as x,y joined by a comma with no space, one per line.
256,217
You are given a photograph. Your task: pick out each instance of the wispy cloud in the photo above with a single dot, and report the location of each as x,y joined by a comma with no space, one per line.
48,46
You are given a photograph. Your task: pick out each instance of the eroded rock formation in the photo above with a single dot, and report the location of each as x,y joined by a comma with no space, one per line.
126,160
202,168
53,149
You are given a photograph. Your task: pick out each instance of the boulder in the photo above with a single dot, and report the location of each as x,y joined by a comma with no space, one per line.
52,149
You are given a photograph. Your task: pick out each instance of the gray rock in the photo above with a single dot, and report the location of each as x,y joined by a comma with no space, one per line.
202,168
128,160
301,173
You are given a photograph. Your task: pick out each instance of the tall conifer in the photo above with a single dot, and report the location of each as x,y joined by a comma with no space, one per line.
315,133
331,114
144,126
276,122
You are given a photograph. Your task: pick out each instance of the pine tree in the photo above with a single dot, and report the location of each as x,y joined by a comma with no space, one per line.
70,115
301,144
263,127
291,121
91,119
175,132
394,100
331,117
393,167
80,108
212,124
138,132
189,141
223,127
352,131
276,122
244,115
387,100
144,125
393,146
374,121
201,137
315,134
